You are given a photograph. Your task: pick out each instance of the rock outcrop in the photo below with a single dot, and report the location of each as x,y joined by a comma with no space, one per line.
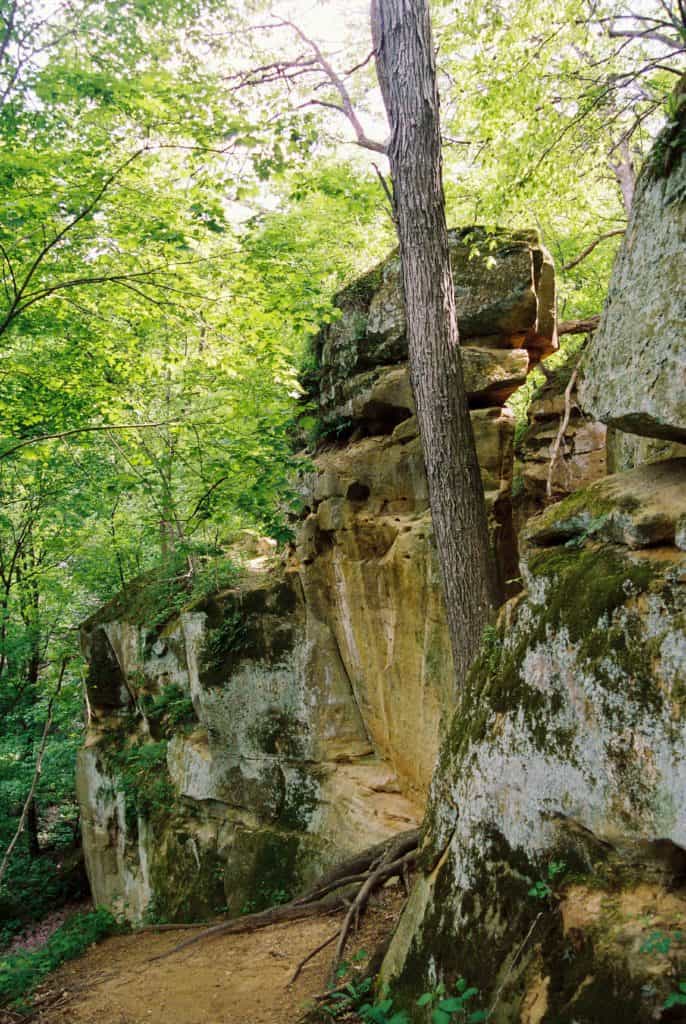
557,815
223,767
240,745
635,372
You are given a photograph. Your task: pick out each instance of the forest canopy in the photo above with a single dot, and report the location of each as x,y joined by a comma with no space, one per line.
182,193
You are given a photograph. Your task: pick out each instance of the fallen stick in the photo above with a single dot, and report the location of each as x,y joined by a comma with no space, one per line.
310,956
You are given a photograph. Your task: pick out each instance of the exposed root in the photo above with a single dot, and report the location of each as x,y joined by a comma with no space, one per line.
375,879
564,423
347,886
310,956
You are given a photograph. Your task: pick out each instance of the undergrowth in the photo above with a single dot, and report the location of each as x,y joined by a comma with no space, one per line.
21,973
151,600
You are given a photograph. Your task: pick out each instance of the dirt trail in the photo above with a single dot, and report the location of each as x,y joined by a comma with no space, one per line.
232,979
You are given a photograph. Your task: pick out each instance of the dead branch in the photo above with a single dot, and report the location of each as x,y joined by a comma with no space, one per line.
564,423
339,85
578,326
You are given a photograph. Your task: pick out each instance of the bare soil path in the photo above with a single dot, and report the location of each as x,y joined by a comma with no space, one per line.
230,979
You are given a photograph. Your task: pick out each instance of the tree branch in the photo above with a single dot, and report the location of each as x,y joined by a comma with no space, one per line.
36,772
337,82
589,249
82,430
56,239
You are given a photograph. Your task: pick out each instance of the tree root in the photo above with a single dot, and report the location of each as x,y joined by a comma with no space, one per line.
310,956
348,885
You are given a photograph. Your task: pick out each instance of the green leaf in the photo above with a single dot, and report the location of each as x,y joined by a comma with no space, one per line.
440,1017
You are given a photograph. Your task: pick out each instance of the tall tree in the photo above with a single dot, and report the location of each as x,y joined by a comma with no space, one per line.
407,75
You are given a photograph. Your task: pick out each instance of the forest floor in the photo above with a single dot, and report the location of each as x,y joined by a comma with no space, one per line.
230,979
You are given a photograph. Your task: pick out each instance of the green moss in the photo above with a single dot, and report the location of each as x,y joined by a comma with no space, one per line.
670,144
584,591
187,878
263,863
500,938
586,587
357,296
152,599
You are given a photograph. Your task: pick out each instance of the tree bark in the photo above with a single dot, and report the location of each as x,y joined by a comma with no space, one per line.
403,44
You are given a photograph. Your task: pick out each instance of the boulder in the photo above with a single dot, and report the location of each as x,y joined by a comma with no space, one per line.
505,299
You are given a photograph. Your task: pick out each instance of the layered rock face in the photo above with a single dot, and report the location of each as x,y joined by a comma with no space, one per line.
571,461
237,749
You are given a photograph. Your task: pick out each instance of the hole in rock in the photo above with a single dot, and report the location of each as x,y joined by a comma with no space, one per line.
357,492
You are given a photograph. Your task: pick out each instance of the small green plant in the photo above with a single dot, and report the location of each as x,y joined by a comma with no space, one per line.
660,943
492,646
265,897
172,707
382,1013
676,998
228,637
593,526
543,889
143,778
451,1009
346,997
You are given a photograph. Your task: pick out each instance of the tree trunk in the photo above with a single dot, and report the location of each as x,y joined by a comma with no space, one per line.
405,65
32,829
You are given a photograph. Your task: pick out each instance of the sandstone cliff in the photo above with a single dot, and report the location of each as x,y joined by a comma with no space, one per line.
238,746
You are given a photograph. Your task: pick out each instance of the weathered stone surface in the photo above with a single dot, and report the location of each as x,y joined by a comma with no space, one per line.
247,777
635,372
382,397
370,572
640,508
626,451
569,746
505,296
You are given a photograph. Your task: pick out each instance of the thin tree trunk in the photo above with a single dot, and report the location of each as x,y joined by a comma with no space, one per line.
32,829
403,46
36,772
